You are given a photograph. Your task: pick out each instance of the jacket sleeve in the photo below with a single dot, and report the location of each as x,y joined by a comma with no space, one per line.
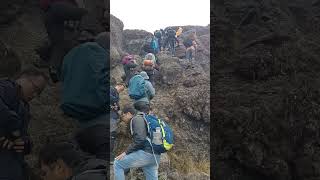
151,90
139,134
9,119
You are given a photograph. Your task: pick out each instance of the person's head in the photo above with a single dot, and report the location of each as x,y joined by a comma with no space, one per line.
32,82
120,87
150,56
127,113
144,75
57,161
103,39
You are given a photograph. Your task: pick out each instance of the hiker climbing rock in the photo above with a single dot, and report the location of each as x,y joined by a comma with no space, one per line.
15,141
191,45
179,31
151,137
149,66
170,40
129,65
141,90
89,63
62,161
158,35
114,109
62,19
138,154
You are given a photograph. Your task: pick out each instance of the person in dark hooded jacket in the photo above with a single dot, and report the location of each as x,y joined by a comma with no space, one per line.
89,63
64,162
15,141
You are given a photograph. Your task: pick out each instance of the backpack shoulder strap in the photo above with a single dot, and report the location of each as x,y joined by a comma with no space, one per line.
145,120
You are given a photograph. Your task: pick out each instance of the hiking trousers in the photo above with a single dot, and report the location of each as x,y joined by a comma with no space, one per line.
95,140
138,159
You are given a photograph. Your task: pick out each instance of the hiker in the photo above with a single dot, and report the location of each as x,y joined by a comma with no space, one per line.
139,154
151,45
154,45
158,35
141,90
129,65
61,17
179,31
62,161
85,85
15,141
170,40
114,109
149,66
191,45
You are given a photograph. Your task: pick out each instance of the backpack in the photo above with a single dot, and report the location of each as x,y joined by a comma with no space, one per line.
171,33
157,34
187,43
126,59
165,130
137,87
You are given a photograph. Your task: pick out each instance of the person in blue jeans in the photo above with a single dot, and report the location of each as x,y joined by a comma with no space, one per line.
139,154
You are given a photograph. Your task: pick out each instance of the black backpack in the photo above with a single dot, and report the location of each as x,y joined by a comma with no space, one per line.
171,33
187,43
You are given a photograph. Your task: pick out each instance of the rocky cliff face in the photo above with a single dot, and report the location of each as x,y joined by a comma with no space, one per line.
266,90
182,96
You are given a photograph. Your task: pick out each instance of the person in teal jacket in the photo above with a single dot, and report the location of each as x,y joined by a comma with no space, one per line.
85,93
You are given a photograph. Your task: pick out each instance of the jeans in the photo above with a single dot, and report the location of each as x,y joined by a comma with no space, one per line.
189,54
137,159
172,47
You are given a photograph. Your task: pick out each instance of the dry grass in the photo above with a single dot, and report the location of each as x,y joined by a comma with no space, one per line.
185,163
180,161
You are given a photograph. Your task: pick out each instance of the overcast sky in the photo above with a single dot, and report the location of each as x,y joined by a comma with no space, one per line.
150,15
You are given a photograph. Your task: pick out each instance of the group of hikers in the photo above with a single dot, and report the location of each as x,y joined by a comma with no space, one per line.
170,39
80,61
151,135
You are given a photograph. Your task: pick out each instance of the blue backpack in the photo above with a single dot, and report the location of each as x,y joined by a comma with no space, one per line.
137,87
166,133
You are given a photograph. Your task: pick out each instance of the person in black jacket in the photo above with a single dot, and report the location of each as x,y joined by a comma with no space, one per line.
114,109
139,154
15,142
63,161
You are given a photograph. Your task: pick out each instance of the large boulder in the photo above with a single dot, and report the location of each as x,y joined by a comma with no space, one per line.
134,40
266,87
116,40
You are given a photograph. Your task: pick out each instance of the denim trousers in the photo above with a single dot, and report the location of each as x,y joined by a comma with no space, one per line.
137,159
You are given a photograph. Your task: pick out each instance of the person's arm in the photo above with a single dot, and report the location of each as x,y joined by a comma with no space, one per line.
151,90
9,119
139,134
